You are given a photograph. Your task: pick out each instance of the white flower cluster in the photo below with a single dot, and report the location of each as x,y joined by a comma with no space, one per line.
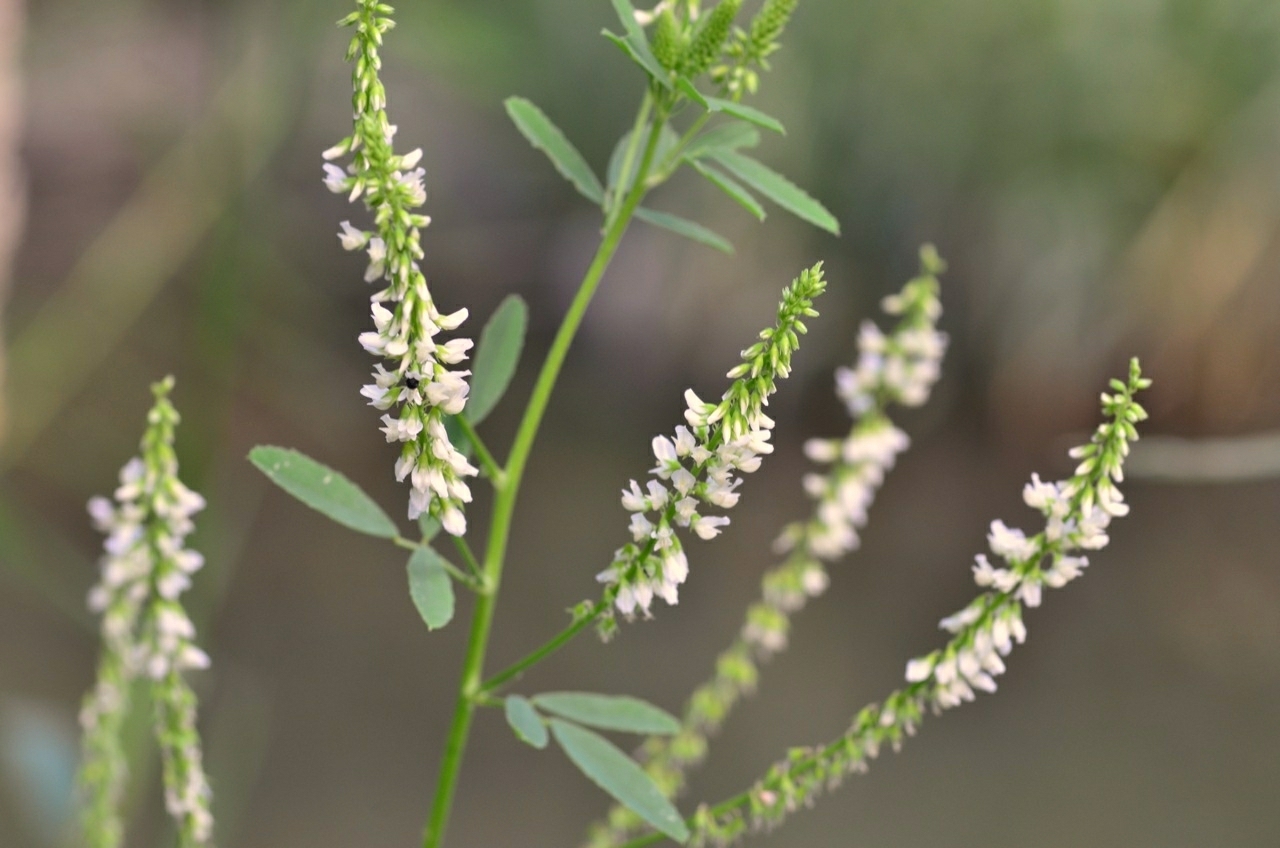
1077,514
414,383
701,463
145,528
901,368
146,631
699,471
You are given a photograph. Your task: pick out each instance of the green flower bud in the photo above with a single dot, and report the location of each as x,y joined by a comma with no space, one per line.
768,25
668,41
707,44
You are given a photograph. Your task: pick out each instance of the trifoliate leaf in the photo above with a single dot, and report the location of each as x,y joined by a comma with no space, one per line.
430,588
548,138
609,712
616,773
685,227
323,489
779,189
526,722
496,357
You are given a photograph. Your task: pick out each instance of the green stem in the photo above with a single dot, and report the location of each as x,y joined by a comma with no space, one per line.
551,646
469,557
668,166
504,504
629,158
491,468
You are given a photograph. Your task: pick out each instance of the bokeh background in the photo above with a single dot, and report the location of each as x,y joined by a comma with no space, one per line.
1102,175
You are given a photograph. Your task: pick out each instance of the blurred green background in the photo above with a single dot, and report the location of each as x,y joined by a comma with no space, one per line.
1102,175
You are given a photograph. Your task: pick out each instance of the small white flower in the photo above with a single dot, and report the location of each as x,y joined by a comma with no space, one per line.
633,499
351,238
919,669
641,526
708,526
1010,544
959,621
453,521
335,179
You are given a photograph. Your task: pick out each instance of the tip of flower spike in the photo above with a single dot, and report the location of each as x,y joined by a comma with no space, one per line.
930,262
161,388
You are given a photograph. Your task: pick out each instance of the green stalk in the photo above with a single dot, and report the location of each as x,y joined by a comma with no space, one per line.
470,691
550,647
491,468
629,158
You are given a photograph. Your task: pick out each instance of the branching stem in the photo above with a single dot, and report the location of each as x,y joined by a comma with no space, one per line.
471,691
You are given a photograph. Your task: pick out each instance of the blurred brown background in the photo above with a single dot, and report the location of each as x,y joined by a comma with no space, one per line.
1104,177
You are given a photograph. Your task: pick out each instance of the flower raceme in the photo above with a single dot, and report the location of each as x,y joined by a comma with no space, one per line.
699,466
1077,513
414,382
901,368
146,631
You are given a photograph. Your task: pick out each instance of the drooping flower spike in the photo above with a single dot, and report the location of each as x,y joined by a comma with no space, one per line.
146,632
699,466
1077,513
413,381
898,368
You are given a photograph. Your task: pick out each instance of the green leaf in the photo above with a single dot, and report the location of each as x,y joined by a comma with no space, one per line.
746,113
545,136
609,712
684,227
687,88
641,55
616,773
728,186
323,489
636,44
725,137
430,588
429,525
526,722
779,189
497,356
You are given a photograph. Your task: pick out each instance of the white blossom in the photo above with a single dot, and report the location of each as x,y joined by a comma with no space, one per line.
1077,513
146,631
415,380
701,465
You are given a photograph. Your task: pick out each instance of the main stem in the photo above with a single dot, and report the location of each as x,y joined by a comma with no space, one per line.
505,502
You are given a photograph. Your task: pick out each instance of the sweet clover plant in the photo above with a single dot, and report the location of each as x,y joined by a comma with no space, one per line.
435,386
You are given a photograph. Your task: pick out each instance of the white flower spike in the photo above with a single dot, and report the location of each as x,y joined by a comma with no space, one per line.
415,377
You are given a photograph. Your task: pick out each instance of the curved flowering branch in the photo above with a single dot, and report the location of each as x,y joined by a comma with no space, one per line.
900,368
145,630
415,379
701,463
1077,513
